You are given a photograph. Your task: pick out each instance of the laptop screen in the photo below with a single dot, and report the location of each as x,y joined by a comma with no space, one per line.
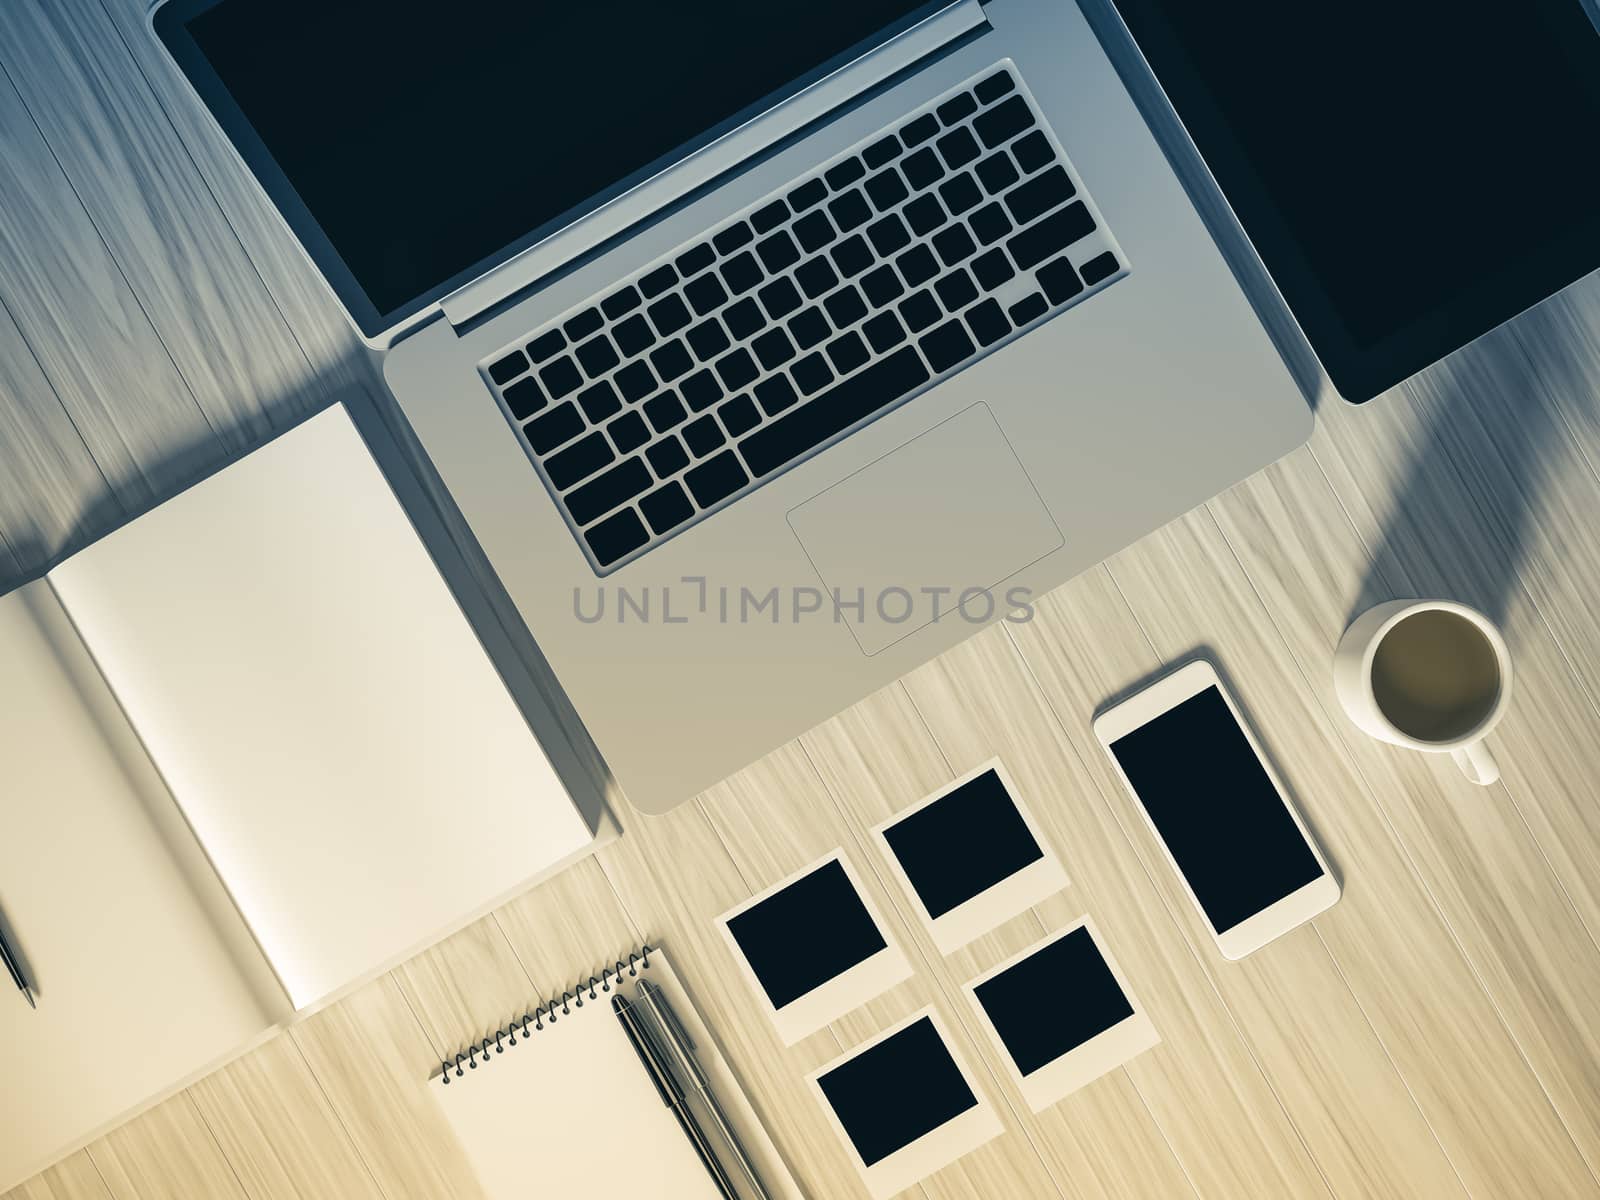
413,143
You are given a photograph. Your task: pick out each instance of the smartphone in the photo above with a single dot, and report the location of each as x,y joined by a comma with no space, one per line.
1219,810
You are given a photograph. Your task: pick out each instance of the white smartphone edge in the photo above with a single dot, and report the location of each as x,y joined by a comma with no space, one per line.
1277,919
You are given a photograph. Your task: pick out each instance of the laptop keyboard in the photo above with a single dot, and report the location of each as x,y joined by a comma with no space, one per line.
821,308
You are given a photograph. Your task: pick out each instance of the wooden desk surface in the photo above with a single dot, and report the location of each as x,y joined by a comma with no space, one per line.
1434,1034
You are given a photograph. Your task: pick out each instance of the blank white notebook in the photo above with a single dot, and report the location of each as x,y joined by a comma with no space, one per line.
242,740
570,1104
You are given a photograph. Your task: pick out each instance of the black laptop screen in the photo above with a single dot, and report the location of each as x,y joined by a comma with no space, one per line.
422,140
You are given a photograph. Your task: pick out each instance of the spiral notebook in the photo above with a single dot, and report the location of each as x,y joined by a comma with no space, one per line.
558,1100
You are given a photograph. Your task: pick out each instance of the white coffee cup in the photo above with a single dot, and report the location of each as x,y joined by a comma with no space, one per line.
1433,675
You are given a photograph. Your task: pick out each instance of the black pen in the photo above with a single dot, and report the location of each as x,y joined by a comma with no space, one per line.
14,965
671,1095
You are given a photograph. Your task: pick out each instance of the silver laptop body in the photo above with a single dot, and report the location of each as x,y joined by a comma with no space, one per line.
1058,415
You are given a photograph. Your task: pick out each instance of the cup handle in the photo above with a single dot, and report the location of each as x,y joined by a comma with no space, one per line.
1476,763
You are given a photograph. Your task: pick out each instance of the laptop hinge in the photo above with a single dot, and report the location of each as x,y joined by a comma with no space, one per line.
736,146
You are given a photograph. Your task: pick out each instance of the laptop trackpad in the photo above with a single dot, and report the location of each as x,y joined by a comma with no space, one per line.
949,514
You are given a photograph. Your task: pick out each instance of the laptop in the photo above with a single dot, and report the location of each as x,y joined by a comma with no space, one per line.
768,351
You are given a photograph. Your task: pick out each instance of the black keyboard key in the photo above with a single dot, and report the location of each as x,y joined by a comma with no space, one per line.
634,381
768,217
919,310
707,340
917,265
509,367
665,411
881,285
814,231
992,269
849,211
1029,308
701,390
884,150
737,370
671,361
658,281
884,332
923,169
739,415
634,335
1101,266
599,402
773,348
807,195
845,307
1040,194
953,245
555,428
669,314
862,395
997,172
847,353
888,235
1059,281
956,290
604,492
731,238
667,457
957,109
546,344
780,298
920,130
842,175
744,319
960,194
578,461
628,432
808,328
524,398
667,507
560,377
924,215
1033,151
616,537
694,260
620,303
987,322
778,252
741,273
1055,233
598,356
704,435
989,223
815,277
852,256
705,294
581,326
947,345
886,189
776,394
716,479
958,148
992,88
1003,122
811,374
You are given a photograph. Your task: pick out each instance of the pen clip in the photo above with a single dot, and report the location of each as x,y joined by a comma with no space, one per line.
625,1015
658,1003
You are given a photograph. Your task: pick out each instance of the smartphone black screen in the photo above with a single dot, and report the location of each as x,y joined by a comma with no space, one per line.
1198,777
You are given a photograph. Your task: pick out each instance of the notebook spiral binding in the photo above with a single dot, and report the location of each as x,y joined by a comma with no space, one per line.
547,1013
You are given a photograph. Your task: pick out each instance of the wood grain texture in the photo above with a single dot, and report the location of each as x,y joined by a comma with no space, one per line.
1433,1035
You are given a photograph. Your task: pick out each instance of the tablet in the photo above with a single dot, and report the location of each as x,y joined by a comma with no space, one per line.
1411,175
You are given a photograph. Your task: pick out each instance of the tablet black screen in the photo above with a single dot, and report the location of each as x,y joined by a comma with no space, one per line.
1411,173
